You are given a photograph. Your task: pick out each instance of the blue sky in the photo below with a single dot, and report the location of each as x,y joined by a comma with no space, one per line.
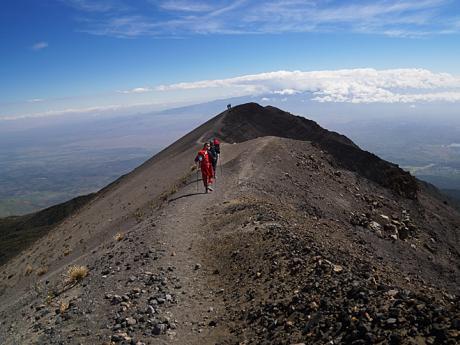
65,56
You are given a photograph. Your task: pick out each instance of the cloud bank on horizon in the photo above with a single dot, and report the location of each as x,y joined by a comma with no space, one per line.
366,85
402,18
359,86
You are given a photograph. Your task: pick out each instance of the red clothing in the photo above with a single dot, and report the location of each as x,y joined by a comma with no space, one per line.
206,166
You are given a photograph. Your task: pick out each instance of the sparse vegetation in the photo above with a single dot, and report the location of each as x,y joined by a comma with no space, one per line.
49,297
183,180
138,215
29,270
41,271
63,307
119,236
168,193
76,273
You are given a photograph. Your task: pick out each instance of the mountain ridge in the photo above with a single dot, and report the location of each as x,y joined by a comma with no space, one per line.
293,246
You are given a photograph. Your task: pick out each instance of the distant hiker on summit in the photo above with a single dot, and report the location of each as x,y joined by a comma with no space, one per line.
205,159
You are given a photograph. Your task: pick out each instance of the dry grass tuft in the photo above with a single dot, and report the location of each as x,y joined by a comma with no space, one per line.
165,195
76,273
183,180
29,270
138,215
63,307
41,271
118,237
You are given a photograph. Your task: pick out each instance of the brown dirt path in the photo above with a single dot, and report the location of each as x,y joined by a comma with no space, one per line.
200,311
183,233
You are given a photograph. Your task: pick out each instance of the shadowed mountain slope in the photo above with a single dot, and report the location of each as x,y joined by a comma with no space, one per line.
19,232
297,244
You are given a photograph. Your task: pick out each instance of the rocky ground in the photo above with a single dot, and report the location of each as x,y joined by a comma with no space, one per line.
290,248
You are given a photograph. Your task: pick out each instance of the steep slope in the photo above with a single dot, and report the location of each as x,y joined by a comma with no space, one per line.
294,246
19,232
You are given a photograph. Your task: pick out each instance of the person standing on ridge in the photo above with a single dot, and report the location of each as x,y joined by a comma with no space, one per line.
216,143
213,152
205,160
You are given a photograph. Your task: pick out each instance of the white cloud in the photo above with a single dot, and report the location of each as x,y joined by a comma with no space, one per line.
35,100
396,18
69,111
39,46
365,85
91,6
286,92
136,90
186,6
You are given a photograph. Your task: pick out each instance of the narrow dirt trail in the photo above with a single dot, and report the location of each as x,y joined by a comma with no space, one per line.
181,232
200,306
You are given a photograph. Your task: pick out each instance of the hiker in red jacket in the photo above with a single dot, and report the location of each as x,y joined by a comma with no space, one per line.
205,160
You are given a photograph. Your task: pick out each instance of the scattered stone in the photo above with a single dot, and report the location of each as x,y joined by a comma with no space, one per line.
403,233
131,321
159,328
374,226
116,299
337,268
392,293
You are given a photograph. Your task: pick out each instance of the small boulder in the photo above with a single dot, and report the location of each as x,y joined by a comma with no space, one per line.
374,226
